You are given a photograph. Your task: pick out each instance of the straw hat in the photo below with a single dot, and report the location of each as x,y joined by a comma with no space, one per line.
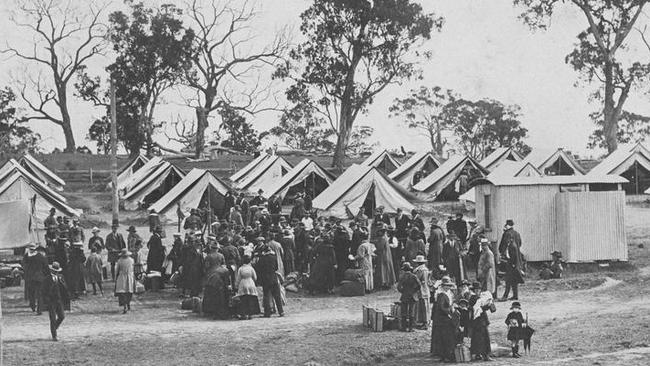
55,267
420,259
446,281
95,229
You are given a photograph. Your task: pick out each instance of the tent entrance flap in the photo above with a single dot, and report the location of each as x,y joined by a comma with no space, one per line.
170,181
639,179
313,184
212,198
559,167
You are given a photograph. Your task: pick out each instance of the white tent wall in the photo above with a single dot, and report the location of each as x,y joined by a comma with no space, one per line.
270,171
187,193
20,189
243,172
294,177
16,226
140,174
129,170
156,180
42,172
404,174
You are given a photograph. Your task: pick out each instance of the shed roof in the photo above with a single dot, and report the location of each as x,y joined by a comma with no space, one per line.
502,180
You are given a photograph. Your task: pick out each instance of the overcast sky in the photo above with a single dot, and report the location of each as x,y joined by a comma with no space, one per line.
483,51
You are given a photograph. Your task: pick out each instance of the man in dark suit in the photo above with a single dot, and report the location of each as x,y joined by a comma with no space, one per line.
258,200
275,209
114,244
156,255
459,226
55,295
509,235
36,269
266,268
402,223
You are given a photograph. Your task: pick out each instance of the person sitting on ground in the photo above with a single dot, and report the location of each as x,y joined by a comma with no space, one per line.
557,269
515,322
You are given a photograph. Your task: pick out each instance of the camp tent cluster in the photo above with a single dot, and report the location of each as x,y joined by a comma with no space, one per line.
26,199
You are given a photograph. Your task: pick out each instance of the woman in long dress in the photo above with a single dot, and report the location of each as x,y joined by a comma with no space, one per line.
246,290
385,276
486,268
216,292
480,346
364,257
124,280
323,271
423,305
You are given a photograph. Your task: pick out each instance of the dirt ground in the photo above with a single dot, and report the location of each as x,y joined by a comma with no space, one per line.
596,318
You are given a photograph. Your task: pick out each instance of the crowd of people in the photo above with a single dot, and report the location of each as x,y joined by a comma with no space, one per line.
225,259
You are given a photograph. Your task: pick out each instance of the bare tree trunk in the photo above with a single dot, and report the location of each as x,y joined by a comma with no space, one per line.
610,118
341,144
66,124
201,125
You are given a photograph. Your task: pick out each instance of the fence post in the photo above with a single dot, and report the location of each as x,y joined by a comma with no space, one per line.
91,175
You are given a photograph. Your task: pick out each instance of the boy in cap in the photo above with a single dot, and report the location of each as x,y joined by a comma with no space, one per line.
409,287
55,296
515,322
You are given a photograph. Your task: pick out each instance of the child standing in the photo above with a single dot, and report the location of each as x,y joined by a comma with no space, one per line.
94,266
515,323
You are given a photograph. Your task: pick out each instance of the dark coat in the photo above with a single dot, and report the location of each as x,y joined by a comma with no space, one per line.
258,201
513,264
508,236
114,244
436,241
401,226
408,286
275,206
266,267
156,255
193,222
35,267
55,291
412,248
459,226
418,223
231,255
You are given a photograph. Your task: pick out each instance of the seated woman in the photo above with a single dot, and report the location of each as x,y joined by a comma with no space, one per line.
216,292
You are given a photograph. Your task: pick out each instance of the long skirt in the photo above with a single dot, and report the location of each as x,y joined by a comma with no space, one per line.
124,298
480,338
248,305
422,312
215,302
443,339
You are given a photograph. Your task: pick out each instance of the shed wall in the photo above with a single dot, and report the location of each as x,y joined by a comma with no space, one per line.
591,226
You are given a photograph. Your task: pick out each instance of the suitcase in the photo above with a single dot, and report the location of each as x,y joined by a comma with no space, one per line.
365,315
391,323
462,354
396,310
376,320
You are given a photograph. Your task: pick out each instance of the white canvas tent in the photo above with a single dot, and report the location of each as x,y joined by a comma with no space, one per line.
515,169
41,172
16,224
362,186
441,184
498,156
554,162
243,172
382,160
153,186
631,162
268,171
403,175
17,184
140,174
129,169
199,186
307,176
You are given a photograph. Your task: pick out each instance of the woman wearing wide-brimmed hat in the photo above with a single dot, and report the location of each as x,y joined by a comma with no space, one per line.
443,337
124,280
423,305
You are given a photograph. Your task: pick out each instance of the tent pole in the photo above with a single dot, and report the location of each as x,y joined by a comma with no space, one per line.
116,198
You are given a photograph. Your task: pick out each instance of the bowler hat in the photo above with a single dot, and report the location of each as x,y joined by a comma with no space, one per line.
131,229
515,305
509,222
446,281
557,253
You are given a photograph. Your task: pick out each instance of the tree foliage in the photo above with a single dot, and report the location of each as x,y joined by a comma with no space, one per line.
424,109
15,136
300,128
632,128
359,141
240,134
481,126
352,52
597,54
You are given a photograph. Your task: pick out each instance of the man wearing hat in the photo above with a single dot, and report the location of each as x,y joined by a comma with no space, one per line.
133,240
244,206
258,200
509,235
487,268
193,222
51,219
35,270
416,221
267,268
402,223
409,288
95,240
114,244
75,273
381,216
514,271
275,209
156,255
154,220
55,296
236,217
